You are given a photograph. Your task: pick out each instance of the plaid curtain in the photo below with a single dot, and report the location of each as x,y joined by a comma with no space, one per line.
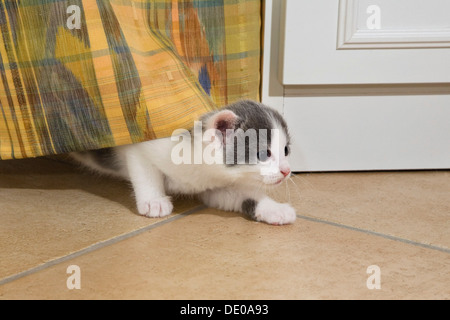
85,74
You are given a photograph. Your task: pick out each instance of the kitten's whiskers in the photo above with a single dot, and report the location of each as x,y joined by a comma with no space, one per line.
296,188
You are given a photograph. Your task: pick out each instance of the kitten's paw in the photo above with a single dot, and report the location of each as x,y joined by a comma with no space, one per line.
154,208
274,213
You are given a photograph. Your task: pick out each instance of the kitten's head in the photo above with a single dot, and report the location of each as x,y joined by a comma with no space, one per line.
254,141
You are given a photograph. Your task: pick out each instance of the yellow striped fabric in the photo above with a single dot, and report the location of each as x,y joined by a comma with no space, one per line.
84,74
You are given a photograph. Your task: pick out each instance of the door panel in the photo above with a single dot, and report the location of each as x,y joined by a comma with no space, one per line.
393,24
316,32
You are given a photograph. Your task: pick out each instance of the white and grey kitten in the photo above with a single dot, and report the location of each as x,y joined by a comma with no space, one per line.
235,185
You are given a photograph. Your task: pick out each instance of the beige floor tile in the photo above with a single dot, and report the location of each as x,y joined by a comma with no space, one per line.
217,255
410,205
48,210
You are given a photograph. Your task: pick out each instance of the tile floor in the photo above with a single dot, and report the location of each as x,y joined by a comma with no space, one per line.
53,216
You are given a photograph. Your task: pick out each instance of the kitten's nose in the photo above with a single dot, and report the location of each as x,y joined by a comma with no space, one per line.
285,172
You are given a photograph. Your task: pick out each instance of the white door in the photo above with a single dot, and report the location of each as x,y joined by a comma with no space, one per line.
363,84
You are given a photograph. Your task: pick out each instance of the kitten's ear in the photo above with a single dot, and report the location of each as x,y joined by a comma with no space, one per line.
222,121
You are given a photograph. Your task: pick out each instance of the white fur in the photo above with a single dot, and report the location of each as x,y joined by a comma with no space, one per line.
272,212
153,174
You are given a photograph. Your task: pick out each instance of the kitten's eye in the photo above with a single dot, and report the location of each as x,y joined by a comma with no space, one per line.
287,151
264,155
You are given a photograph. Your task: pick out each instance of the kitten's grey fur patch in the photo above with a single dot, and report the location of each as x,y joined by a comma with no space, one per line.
253,115
249,207
105,158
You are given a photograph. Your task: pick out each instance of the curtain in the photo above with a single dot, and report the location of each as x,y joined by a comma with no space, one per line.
84,74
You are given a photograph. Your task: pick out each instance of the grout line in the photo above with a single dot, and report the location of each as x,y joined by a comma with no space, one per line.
99,245
374,233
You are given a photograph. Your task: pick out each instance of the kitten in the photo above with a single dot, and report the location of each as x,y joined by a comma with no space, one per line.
234,184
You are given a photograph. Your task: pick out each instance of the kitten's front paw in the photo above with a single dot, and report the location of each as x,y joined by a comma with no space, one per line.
154,208
274,213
